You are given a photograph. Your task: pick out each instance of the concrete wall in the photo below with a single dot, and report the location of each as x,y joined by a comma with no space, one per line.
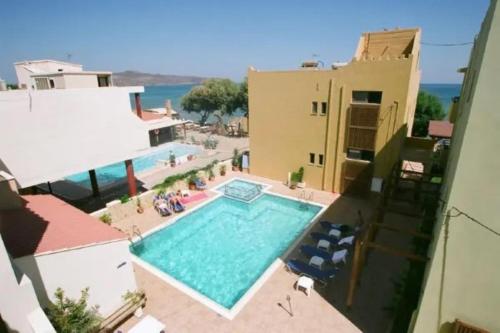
18,299
106,269
463,278
283,131
50,134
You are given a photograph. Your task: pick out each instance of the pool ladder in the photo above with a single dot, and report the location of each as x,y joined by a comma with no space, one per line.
135,232
304,198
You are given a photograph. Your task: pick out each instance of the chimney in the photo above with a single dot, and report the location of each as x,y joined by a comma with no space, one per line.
168,108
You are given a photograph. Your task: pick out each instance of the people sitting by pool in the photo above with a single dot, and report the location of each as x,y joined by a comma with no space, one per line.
175,202
161,206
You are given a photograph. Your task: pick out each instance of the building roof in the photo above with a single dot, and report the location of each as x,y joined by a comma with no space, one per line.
27,62
440,128
48,224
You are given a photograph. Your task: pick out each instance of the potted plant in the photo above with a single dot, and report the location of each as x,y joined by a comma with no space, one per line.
294,179
222,169
300,178
106,218
140,209
235,160
211,175
192,182
172,159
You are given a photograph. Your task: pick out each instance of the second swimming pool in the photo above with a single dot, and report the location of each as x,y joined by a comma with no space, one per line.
114,172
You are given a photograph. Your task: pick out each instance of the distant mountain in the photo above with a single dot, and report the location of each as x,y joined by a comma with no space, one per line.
133,78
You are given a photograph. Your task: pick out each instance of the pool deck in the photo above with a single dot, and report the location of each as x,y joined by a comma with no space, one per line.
181,313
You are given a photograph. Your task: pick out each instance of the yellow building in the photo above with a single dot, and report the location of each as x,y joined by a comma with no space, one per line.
463,276
345,124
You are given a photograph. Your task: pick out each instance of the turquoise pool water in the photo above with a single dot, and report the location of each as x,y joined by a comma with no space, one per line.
222,248
114,172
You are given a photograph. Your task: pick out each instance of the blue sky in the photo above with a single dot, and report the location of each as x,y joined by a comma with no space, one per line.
223,38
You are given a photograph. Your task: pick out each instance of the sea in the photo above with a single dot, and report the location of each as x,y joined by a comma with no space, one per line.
155,96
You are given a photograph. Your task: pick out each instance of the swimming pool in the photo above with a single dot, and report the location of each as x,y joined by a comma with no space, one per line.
114,172
222,248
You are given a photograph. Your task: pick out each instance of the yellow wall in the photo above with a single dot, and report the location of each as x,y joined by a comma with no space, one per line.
283,130
463,278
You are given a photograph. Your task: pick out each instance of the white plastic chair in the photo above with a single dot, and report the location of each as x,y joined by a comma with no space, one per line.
305,283
346,240
339,256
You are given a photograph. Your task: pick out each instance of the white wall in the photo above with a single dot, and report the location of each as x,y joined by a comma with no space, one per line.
18,299
50,134
97,267
80,81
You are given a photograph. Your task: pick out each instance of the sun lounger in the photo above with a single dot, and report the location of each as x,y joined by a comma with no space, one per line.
342,227
311,251
346,241
200,185
335,258
319,236
300,267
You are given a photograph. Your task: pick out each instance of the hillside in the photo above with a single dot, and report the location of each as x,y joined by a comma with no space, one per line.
133,78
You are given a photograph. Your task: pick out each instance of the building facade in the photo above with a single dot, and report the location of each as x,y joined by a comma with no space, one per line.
344,125
463,278
72,125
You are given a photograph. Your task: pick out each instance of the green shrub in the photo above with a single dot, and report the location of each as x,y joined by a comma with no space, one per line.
124,198
106,218
171,180
69,316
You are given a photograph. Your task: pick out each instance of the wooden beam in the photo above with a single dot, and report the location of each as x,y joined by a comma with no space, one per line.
403,230
354,273
397,252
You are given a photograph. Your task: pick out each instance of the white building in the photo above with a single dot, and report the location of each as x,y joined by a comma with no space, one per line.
54,245
77,126
54,74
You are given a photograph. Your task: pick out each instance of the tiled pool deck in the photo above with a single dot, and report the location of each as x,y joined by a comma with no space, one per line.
181,313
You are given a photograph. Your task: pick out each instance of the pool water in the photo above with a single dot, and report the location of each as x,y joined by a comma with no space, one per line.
114,172
222,248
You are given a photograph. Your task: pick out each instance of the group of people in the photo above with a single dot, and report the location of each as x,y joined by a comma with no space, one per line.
166,204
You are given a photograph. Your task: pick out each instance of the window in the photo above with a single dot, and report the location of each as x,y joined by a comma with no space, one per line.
52,84
320,158
357,154
312,158
367,97
324,108
42,83
315,108
102,81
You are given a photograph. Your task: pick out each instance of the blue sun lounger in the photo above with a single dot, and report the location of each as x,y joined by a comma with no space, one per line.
312,272
311,251
200,185
319,236
329,226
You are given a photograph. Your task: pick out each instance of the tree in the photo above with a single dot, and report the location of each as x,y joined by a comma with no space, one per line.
70,316
428,108
243,96
222,95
